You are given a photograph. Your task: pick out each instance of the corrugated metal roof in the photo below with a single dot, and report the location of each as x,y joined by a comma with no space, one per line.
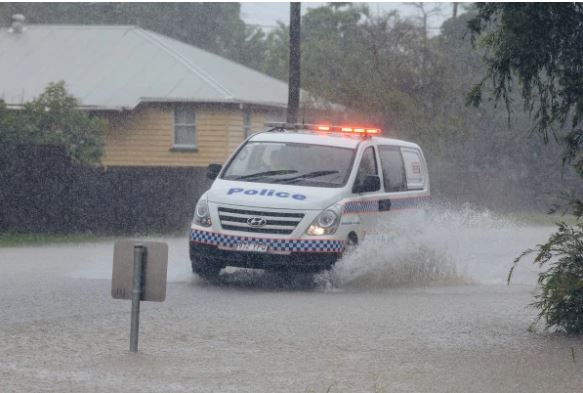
117,67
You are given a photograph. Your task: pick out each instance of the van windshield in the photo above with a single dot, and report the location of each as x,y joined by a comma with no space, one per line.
291,163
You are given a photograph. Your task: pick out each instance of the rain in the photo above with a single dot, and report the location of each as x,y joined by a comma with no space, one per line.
354,197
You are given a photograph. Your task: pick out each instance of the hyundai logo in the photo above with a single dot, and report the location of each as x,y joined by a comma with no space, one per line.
256,221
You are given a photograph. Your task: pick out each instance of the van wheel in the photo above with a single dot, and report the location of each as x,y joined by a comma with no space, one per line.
205,268
351,244
296,278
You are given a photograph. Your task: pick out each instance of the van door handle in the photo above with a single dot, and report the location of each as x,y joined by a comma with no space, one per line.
384,205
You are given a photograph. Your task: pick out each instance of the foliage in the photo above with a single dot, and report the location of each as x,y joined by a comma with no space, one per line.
54,118
560,299
540,45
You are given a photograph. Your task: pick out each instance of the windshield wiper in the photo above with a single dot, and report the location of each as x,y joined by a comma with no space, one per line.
266,174
308,175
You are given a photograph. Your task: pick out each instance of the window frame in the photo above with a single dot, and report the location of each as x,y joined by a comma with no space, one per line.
184,146
398,149
357,166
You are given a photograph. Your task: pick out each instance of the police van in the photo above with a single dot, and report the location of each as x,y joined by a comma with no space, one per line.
298,197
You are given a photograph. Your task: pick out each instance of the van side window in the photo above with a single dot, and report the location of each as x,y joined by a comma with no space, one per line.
414,169
393,168
367,167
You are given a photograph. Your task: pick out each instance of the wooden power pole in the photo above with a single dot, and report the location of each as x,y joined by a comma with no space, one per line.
293,102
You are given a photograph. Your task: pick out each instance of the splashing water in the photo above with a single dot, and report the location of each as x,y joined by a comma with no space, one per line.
442,246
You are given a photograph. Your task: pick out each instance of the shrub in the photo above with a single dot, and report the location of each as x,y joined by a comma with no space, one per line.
54,118
560,287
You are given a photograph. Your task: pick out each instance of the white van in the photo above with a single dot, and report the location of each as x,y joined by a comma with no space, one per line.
297,197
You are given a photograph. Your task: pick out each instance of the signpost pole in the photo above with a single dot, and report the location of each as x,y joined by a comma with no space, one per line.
136,296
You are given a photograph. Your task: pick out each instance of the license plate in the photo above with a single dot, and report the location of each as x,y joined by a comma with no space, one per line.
251,246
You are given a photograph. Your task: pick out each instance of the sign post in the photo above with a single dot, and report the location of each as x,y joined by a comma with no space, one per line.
136,296
139,273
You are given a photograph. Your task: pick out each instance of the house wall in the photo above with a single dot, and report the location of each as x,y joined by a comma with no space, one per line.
144,136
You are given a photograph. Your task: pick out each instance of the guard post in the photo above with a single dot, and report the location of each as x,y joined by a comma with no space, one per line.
139,274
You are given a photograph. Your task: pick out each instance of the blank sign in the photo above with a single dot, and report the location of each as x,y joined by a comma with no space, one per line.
155,266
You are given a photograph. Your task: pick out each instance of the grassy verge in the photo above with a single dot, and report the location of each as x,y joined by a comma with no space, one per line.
33,239
540,219
38,239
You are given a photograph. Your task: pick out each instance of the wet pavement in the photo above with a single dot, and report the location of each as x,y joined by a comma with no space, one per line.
357,329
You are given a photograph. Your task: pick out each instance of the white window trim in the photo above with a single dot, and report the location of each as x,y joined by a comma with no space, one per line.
177,146
247,128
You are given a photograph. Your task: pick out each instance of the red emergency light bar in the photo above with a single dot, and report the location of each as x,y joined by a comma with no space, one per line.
367,131
345,129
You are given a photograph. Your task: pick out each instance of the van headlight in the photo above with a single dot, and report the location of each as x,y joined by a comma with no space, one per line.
326,223
202,215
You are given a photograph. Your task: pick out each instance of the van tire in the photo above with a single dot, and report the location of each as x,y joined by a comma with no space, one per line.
351,244
205,268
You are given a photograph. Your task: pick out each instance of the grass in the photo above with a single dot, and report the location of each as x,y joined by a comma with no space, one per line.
539,219
11,239
36,239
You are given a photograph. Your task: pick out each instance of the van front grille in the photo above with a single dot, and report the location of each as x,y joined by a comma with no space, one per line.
273,222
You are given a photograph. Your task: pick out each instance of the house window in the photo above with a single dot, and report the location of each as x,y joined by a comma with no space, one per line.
247,123
184,128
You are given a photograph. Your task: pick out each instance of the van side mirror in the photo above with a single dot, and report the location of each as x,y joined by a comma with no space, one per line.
371,183
213,170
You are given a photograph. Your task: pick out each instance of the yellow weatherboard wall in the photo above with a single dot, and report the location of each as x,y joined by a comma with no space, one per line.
144,136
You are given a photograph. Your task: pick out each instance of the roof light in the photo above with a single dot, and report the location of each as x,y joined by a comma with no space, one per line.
360,130
351,130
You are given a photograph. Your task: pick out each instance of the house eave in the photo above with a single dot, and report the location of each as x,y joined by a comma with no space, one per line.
225,101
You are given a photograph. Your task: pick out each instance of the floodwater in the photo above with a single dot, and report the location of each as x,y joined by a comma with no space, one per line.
418,308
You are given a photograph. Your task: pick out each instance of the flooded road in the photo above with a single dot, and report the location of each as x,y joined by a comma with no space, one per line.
399,318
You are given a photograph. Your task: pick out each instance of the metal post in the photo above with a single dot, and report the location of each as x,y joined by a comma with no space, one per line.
136,296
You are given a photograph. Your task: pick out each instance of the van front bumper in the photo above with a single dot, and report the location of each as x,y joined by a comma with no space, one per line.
298,254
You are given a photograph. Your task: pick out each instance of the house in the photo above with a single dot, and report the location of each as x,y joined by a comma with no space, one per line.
166,103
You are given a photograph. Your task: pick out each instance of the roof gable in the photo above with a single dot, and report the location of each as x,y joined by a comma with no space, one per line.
117,67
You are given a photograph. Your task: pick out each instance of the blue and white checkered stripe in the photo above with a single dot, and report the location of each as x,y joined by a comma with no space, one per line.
409,203
372,205
361,206
286,245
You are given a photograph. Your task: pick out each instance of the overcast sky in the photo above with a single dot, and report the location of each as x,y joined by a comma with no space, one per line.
267,14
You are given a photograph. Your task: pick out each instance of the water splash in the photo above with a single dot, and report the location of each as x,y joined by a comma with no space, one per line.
436,247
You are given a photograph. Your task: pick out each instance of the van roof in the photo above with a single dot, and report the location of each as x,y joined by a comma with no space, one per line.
328,139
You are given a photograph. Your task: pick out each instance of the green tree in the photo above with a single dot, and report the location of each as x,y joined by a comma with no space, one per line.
54,118
539,46
537,49
276,60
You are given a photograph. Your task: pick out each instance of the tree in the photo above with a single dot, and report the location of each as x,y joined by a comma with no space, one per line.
54,118
276,60
538,48
540,45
